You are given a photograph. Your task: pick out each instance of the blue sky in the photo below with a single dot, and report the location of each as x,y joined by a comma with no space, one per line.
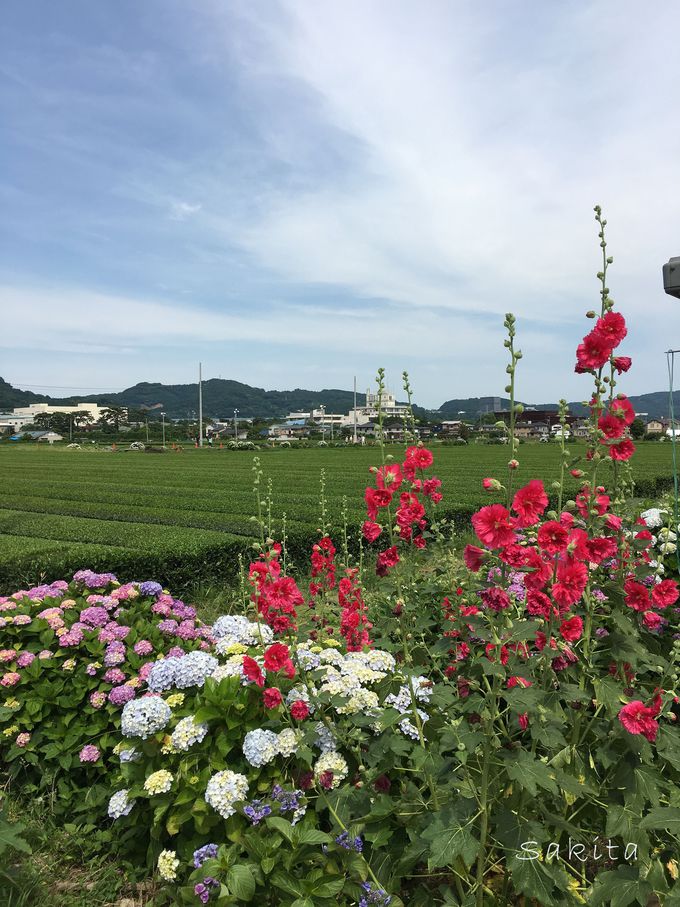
298,192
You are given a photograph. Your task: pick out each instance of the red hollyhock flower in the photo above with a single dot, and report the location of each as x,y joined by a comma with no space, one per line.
431,488
637,718
523,720
622,408
613,522
419,541
600,549
636,595
492,525
572,577
530,502
326,780
518,682
593,351
552,537
386,560
538,604
277,658
371,531
389,477
376,498
382,784
490,650
622,363
624,450
571,630
665,593
652,620
489,484
612,426
495,599
612,327
299,710
540,572
602,502
251,670
474,557
272,698
420,457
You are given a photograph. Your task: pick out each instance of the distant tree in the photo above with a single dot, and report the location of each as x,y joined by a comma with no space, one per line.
43,421
464,431
112,416
637,429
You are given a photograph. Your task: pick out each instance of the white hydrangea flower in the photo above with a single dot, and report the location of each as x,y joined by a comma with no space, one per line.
331,762
224,790
260,747
653,517
365,701
120,804
159,782
144,717
288,741
325,739
186,733
168,864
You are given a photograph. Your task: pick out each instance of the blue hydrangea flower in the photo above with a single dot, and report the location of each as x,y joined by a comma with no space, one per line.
144,717
257,810
150,588
120,804
260,747
207,852
192,670
162,675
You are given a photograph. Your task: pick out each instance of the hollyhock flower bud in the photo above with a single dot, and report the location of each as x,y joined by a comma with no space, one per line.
513,464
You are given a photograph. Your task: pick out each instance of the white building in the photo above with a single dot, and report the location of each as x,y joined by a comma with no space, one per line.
94,410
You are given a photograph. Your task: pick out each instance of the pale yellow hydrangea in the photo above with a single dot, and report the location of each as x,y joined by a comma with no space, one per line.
159,782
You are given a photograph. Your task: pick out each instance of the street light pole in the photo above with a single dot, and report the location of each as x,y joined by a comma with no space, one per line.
235,425
163,417
200,407
355,409
323,422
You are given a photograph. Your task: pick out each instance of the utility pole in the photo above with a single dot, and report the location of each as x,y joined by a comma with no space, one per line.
235,425
147,429
163,415
200,407
355,409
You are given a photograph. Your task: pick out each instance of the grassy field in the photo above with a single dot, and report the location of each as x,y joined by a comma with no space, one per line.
184,517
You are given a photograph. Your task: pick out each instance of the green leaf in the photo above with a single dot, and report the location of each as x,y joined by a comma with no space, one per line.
619,888
283,881
302,902
647,782
241,883
282,826
329,889
449,837
529,773
664,818
312,836
533,879
10,837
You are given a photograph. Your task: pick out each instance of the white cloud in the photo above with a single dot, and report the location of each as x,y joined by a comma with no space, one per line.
183,210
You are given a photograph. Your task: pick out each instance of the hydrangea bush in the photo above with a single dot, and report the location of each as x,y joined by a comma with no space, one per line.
72,655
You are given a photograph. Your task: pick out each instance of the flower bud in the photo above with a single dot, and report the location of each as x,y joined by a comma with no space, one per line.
591,314
513,464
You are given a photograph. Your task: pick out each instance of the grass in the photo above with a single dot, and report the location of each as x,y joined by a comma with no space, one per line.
184,518
68,865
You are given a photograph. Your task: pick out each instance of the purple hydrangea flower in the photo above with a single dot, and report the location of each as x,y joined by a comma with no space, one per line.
257,810
89,753
114,675
94,616
143,647
150,588
122,694
207,852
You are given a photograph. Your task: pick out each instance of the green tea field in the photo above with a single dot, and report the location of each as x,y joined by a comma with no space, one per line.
183,517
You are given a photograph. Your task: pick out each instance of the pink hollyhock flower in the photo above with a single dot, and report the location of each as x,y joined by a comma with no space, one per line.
495,599
611,327
600,549
552,537
593,351
652,620
376,498
386,560
665,593
492,525
571,630
277,658
622,363
299,710
518,682
540,571
389,477
530,502
624,450
523,720
370,530
637,718
612,426
613,522
252,671
474,557
572,577
22,739
272,698
636,595
622,408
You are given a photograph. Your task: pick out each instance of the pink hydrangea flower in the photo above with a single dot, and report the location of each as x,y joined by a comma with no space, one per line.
89,753
22,739
10,679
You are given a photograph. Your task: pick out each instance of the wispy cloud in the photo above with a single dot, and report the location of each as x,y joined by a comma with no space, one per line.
302,190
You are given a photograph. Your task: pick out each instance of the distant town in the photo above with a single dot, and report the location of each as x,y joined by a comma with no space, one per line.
45,422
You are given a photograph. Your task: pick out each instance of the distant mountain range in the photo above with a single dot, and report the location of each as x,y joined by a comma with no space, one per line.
221,397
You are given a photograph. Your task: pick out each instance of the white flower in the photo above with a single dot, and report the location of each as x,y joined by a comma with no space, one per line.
120,804
334,763
159,782
288,741
187,733
225,789
144,717
652,517
168,864
260,747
